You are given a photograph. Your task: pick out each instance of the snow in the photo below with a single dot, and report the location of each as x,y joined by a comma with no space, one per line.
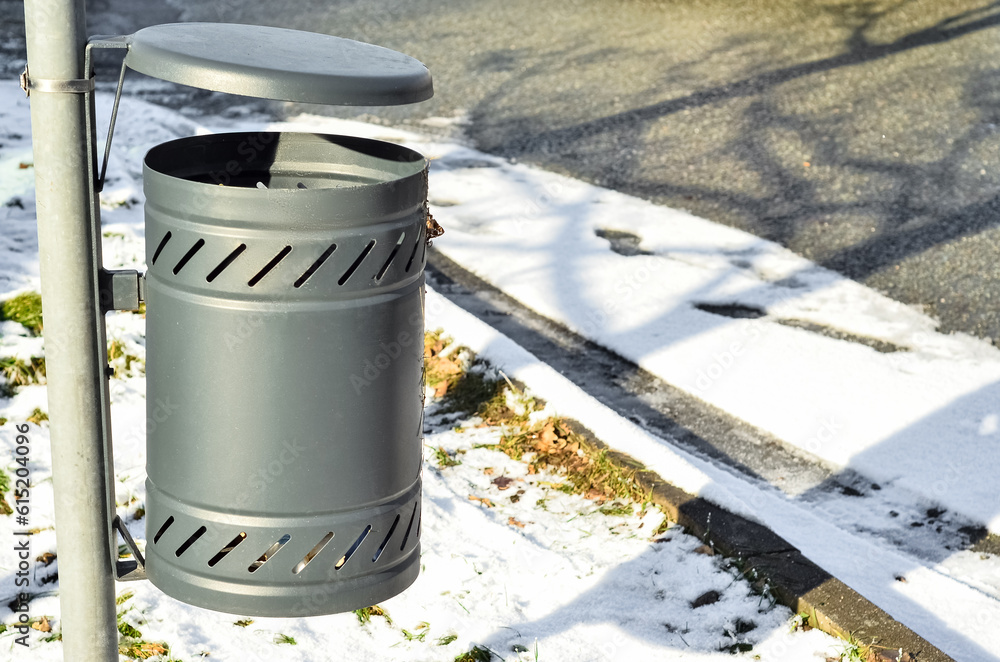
572,583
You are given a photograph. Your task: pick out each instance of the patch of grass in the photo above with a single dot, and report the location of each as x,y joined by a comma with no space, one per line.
853,651
37,416
553,443
128,630
142,650
616,509
285,639
131,643
122,362
3,421
476,654
365,614
419,633
244,622
467,385
444,458
446,639
5,508
18,372
441,370
26,309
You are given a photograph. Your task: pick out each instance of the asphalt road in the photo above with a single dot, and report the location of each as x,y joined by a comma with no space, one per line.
863,134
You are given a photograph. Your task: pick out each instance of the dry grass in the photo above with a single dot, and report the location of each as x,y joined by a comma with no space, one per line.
468,385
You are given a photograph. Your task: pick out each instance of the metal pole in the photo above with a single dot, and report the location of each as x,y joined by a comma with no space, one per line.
69,251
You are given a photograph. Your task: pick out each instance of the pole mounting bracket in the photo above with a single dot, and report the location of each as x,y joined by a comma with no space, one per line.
70,86
121,290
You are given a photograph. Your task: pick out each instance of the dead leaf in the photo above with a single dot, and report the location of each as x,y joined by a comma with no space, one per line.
595,495
514,522
488,471
483,500
46,559
502,482
42,625
147,650
547,437
24,166
707,598
704,549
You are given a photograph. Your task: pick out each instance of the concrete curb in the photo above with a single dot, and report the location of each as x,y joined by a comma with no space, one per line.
792,579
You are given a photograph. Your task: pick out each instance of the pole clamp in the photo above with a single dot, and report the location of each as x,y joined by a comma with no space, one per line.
71,86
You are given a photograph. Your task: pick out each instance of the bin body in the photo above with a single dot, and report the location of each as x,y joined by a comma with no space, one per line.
284,371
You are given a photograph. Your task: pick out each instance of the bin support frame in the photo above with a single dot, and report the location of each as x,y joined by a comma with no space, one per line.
78,291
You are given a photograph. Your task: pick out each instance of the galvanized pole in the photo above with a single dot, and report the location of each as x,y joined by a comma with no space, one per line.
69,251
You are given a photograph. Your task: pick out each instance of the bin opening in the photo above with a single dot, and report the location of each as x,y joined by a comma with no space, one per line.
275,160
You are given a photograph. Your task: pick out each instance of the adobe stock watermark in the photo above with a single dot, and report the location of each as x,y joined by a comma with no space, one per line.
625,289
537,207
374,366
243,330
722,362
827,429
204,197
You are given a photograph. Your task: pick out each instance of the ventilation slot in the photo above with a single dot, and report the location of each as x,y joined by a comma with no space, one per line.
228,548
163,529
271,551
357,543
270,265
315,265
423,252
409,527
159,249
190,541
187,256
313,553
357,263
392,256
225,263
381,548
413,253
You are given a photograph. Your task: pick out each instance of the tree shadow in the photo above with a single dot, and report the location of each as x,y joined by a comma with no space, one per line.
772,152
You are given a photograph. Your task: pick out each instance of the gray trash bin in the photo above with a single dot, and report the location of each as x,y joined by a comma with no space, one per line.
284,370
284,331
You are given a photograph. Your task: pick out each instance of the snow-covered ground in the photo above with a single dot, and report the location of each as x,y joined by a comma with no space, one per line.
921,421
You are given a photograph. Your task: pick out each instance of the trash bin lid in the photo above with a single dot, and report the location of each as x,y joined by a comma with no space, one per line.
277,63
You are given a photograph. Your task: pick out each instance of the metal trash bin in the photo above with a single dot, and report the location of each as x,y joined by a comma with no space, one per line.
285,370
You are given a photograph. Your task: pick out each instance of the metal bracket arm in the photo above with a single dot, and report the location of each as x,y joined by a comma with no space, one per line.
134,570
